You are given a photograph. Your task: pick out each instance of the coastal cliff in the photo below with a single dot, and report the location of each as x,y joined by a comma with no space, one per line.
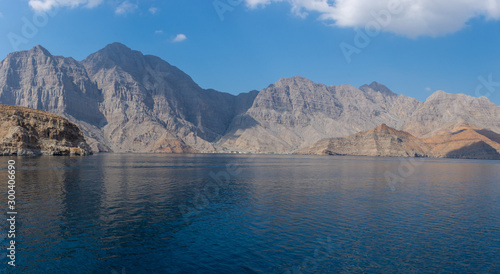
25,132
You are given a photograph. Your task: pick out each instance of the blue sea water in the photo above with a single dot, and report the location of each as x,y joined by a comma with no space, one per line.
204,213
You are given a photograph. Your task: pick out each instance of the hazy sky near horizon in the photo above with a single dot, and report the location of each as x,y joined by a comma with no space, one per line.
413,47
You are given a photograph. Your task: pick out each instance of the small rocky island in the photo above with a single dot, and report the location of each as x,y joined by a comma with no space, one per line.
29,132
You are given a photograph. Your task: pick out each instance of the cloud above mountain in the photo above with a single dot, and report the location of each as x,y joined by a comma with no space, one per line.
45,5
179,38
125,8
411,18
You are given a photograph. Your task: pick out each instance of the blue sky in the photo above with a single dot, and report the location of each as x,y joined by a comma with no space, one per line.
420,47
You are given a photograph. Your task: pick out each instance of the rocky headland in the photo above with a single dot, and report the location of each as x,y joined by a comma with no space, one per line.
29,132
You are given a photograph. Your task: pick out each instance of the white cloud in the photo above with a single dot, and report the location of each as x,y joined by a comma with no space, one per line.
256,3
413,18
179,38
158,31
45,5
153,10
1,15
125,8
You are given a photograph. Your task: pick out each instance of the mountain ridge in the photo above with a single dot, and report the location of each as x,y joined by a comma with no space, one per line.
125,101
465,141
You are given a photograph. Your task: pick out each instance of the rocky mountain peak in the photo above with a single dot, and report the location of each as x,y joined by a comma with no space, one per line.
439,94
375,86
383,127
119,52
295,80
117,47
116,54
39,50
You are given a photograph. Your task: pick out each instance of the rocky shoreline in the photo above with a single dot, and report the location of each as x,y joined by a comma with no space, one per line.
29,132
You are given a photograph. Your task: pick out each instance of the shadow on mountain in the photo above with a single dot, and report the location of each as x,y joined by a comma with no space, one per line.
478,150
458,132
490,134
242,123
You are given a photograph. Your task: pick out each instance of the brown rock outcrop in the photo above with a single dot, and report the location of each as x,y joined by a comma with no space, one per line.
465,141
25,131
380,141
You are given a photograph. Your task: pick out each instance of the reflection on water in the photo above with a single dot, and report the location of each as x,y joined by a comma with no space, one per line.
277,214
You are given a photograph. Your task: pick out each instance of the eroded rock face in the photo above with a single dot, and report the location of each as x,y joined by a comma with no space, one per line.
40,80
146,99
465,141
25,131
295,113
125,101
122,100
380,141
446,111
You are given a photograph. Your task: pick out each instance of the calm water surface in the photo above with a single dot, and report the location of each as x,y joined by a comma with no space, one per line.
122,213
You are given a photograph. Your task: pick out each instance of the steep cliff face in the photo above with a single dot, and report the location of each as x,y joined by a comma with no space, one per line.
146,95
295,113
125,101
39,80
465,141
25,131
121,99
445,111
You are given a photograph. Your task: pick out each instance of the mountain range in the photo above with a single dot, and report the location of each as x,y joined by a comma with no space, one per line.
125,101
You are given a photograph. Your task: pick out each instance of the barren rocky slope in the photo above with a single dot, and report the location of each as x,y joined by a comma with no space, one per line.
39,80
444,110
125,101
146,101
121,99
380,141
25,131
296,112
464,141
